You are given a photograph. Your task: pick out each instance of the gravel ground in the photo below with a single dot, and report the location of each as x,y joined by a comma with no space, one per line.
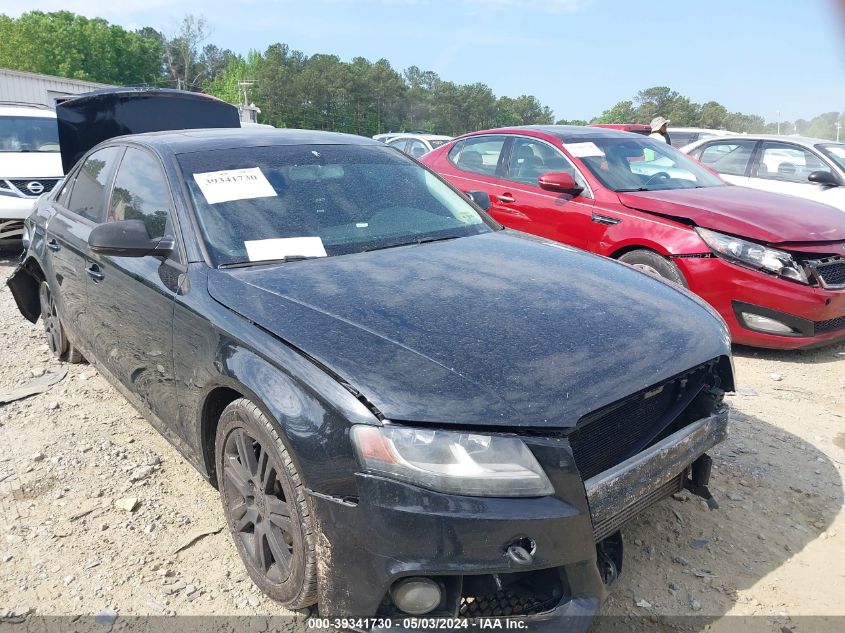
98,513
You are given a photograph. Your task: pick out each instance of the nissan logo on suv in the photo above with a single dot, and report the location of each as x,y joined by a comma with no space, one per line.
35,187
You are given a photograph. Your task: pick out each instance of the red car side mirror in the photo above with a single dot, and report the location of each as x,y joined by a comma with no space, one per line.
561,182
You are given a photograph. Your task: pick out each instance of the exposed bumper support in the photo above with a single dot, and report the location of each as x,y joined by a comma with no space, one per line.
620,492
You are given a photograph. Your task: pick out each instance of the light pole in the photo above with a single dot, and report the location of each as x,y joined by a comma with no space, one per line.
838,127
778,122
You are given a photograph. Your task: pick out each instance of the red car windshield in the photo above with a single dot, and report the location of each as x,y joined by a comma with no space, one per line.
640,164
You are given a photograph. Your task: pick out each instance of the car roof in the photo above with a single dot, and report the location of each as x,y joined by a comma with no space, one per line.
26,109
186,141
705,129
808,141
427,137
565,133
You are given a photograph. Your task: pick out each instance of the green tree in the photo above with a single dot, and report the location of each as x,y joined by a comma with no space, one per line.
622,112
69,45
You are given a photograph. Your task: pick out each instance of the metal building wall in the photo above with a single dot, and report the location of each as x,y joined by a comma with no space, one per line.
34,88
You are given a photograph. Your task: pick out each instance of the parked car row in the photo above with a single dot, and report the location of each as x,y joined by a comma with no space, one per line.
773,266
809,168
409,409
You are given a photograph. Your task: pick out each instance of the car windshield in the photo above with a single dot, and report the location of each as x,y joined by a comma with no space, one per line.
640,164
834,152
437,143
28,134
287,202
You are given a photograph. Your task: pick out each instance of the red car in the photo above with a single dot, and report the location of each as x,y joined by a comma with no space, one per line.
772,265
639,128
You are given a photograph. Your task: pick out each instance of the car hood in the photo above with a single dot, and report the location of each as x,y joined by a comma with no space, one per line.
758,215
30,165
497,329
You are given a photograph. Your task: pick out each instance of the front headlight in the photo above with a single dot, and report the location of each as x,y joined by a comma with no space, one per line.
451,461
753,254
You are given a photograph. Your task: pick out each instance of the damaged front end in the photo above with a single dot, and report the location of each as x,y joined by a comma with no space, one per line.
547,559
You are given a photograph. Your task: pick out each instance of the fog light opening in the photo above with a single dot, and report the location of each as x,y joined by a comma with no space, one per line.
765,324
416,596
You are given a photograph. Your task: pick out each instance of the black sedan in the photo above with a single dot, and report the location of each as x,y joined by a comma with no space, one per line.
407,409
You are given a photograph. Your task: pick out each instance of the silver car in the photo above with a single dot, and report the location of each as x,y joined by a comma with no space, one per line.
810,168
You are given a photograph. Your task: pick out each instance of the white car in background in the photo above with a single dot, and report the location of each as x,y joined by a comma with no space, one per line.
30,163
415,145
681,136
810,168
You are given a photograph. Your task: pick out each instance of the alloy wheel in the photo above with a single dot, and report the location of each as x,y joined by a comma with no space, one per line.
50,319
257,507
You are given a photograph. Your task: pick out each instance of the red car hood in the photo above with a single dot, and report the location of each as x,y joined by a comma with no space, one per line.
758,215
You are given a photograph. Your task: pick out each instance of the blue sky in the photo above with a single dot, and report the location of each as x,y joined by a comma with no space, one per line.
577,56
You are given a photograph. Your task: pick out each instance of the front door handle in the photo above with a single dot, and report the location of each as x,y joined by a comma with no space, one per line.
506,198
94,272
53,245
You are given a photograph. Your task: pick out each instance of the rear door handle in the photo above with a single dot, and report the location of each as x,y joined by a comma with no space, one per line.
53,245
94,272
506,198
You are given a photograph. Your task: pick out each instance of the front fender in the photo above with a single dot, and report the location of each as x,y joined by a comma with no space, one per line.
311,410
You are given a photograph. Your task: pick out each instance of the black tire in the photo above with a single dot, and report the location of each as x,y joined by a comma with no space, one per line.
265,504
57,340
654,264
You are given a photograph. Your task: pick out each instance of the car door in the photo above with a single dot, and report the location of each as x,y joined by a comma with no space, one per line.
130,299
557,216
784,167
731,159
79,206
475,164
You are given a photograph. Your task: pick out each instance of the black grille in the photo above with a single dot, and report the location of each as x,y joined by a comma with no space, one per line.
23,185
832,325
611,435
504,603
833,274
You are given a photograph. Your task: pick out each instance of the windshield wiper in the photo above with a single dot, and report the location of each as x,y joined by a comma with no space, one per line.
630,190
426,240
264,262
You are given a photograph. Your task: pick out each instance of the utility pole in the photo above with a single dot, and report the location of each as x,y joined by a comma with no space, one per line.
778,122
838,127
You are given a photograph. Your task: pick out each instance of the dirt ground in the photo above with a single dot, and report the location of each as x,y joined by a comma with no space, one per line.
99,514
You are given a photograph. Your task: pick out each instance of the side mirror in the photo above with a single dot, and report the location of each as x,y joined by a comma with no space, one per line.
560,182
823,177
481,198
127,238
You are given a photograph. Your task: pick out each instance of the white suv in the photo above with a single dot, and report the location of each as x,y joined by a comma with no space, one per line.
30,163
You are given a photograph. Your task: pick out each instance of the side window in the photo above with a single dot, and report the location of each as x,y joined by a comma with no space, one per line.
728,157
87,197
679,139
416,148
398,144
530,158
141,193
790,163
479,154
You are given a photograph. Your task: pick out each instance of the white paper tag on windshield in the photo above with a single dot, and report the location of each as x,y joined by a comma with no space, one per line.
836,150
234,184
281,247
583,150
